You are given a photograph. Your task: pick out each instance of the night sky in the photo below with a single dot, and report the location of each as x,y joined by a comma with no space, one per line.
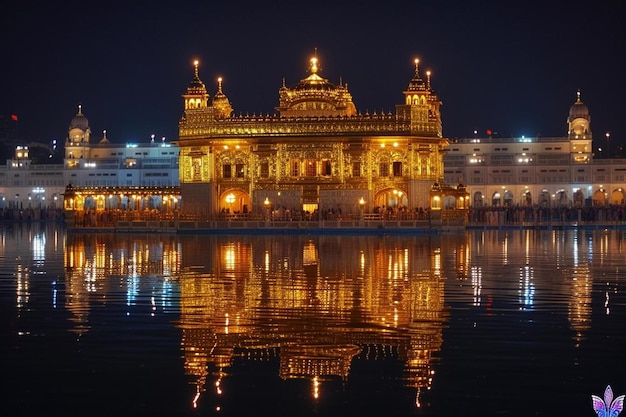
512,67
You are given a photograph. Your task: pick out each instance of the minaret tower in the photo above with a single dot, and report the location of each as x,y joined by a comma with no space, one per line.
79,131
78,135
196,96
422,106
579,131
579,120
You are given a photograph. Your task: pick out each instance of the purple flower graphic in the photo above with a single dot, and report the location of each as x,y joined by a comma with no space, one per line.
608,407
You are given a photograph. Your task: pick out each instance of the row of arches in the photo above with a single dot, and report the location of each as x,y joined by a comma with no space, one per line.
560,198
238,201
122,198
30,200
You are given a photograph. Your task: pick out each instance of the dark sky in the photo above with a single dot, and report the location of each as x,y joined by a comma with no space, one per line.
513,67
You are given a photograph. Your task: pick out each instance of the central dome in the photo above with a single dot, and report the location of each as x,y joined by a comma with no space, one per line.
315,96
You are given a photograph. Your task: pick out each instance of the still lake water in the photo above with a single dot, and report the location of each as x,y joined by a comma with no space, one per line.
503,323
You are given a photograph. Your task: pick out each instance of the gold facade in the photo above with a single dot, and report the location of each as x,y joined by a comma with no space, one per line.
318,154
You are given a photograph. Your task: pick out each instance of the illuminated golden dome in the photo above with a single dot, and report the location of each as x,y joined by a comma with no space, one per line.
196,86
221,104
315,96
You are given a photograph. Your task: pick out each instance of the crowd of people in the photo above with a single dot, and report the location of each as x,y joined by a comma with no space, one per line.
539,214
489,215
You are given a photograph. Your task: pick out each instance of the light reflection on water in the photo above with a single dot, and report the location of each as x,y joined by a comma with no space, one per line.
480,322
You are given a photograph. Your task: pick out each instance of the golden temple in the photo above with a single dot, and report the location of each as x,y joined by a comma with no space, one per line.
317,158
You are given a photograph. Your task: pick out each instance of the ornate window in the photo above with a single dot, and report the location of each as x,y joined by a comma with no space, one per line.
310,168
227,171
239,170
383,169
397,169
326,168
295,168
356,169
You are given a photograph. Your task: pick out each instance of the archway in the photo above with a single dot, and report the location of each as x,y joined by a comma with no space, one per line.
495,198
113,202
600,197
478,199
562,198
89,203
391,199
449,202
234,201
617,197
527,198
508,198
544,198
579,198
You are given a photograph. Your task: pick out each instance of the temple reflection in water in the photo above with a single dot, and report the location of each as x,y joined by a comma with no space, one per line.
316,307
267,299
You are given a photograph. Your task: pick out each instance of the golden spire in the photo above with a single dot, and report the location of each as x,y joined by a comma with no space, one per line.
196,63
416,83
221,103
428,79
314,67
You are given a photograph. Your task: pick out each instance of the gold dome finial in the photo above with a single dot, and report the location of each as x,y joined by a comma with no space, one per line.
428,79
196,63
314,66
417,66
219,85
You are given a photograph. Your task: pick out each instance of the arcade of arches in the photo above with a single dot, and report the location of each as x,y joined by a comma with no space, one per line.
390,201
560,198
123,202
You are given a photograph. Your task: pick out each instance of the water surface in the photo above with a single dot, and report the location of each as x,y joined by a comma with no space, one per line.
512,323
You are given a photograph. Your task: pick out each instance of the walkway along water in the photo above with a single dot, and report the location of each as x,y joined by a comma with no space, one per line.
436,221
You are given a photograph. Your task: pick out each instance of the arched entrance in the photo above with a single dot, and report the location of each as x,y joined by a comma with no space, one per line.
544,198
527,198
579,198
600,197
495,198
391,199
617,197
562,198
508,198
478,199
234,201
449,202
